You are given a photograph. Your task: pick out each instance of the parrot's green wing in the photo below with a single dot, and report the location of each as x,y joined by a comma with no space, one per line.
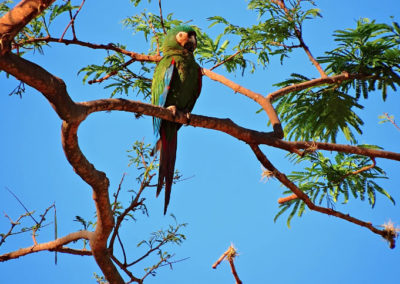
160,89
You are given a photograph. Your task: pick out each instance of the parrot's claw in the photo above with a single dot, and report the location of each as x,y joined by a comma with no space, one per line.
188,117
173,109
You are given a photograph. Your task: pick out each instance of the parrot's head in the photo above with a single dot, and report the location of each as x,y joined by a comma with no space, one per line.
180,38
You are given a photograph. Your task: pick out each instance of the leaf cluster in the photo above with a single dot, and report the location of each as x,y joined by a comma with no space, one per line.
318,113
371,49
273,33
124,79
333,179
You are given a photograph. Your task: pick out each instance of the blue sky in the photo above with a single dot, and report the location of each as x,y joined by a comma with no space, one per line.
225,200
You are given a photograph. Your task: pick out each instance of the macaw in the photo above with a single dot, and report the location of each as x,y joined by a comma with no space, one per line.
176,85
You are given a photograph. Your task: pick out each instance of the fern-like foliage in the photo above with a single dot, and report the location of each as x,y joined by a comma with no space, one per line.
318,114
331,180
370,49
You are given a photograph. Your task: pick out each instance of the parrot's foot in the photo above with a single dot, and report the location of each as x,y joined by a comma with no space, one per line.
173,109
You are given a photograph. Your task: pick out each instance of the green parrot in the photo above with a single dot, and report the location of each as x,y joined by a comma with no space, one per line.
176,85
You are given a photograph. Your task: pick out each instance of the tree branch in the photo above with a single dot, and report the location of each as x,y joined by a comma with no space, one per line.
52,87
261,100
100,184
230,255
50,246
300,194
336,79
110,46
71,23
363,169
299,35
15,19
228,126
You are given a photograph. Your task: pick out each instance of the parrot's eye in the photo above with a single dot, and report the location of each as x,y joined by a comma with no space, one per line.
180,34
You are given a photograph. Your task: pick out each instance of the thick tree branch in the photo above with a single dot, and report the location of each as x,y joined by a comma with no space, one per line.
15,19
51,246
52,87
229,127
99,183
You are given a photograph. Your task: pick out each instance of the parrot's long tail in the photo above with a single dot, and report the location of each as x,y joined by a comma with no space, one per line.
167,165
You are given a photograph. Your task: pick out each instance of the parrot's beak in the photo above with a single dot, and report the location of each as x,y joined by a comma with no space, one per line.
191,44
187,40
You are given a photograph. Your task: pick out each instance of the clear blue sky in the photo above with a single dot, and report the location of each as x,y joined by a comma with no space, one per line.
224,201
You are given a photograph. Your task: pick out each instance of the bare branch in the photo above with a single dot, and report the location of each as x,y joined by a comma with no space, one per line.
110,46
72,22
230,255
155,34
391,120
20,202
52,245
226,60
261,100
117,193
13,225
161,17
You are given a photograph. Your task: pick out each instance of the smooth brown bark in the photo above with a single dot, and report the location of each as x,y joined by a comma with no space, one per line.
17,18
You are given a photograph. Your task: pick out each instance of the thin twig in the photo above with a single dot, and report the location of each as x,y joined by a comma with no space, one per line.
161,17
71,23
122,248
299,36
39,225
230,255
117,193
156,35
26,210
391,120
225,60
13,225
133,205
125,269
